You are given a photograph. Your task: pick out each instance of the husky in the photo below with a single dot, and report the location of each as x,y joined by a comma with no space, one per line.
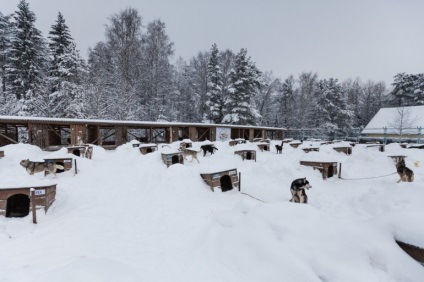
88,152
279,148
405,174
208,148
297,189
188,152
34,167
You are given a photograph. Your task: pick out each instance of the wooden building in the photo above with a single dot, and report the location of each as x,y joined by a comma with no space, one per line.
57,132
328,169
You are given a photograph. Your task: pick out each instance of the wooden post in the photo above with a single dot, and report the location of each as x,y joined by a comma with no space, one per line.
34,213
76,170
239,181
340,170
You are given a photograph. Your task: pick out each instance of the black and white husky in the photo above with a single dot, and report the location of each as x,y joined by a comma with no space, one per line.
297,189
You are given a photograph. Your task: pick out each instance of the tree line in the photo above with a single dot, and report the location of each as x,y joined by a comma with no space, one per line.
130,76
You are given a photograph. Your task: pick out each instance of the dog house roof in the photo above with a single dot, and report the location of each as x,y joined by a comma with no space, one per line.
148,145
30,183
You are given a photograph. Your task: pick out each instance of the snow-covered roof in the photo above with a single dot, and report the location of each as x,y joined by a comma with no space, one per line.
385,118
124,122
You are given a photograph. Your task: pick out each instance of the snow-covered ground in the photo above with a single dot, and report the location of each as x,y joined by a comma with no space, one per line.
127,217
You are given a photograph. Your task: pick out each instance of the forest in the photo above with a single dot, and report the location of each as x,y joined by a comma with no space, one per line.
133,75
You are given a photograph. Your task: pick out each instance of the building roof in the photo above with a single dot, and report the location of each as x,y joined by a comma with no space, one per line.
129,123
386,117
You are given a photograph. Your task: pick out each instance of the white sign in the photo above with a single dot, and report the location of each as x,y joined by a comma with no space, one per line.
223,134
40,192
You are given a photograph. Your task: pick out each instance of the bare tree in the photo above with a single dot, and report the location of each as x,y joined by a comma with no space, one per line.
402,120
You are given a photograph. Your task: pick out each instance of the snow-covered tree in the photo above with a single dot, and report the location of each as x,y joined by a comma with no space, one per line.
265,97
408,90
185,96
241,108
199,78
66,72
286,102
214,104
332,112
26,65
157,74
6,30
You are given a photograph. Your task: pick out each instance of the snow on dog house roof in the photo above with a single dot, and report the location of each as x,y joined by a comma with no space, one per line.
385,118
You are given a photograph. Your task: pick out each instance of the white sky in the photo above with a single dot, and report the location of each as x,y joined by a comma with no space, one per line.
370,39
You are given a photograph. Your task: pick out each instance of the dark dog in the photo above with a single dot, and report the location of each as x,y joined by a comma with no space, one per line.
279,148
405,174
297,189
208,148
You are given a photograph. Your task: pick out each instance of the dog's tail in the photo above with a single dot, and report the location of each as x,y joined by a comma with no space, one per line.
59,166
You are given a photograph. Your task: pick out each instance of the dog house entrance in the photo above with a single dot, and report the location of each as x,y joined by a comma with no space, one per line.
330,171
76,152
175,159
248,156
17,206
149,150
58,170
226,184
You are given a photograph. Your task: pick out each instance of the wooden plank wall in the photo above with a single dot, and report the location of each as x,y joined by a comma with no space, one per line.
78,130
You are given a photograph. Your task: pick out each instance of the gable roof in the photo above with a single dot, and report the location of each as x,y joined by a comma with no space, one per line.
385,118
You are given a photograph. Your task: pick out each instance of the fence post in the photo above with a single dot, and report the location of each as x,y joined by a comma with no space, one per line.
239,181
34,213
340,170
385,135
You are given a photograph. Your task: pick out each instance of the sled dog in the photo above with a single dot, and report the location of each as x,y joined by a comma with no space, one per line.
188,152
405,174
34,167
208,148
297,189
279,148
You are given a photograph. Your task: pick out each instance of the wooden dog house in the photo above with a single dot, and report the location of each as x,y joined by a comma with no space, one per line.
380,146
225,180
263,146
65,162
148,148
1,154
310,149
246,154
15,202
295,144
328,169
173,158
258,140
79,151
347,150
232,142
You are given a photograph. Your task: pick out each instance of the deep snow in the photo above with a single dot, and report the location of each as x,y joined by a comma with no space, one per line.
127,217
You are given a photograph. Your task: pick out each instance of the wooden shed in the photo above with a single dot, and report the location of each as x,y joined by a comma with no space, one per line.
380,146
328,169
15,202
246,154
173,158
295,144
148,148
65,162
225,180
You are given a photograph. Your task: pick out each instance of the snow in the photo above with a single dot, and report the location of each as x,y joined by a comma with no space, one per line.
127,217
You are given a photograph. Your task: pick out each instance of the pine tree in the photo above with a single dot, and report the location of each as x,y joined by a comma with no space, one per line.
157,51
332,111
240,103
286,102
214,112
26,65
5,37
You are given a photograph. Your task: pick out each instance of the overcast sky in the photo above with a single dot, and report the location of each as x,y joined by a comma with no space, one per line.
370,39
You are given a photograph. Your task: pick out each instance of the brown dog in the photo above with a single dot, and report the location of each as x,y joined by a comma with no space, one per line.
405,174
34,167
